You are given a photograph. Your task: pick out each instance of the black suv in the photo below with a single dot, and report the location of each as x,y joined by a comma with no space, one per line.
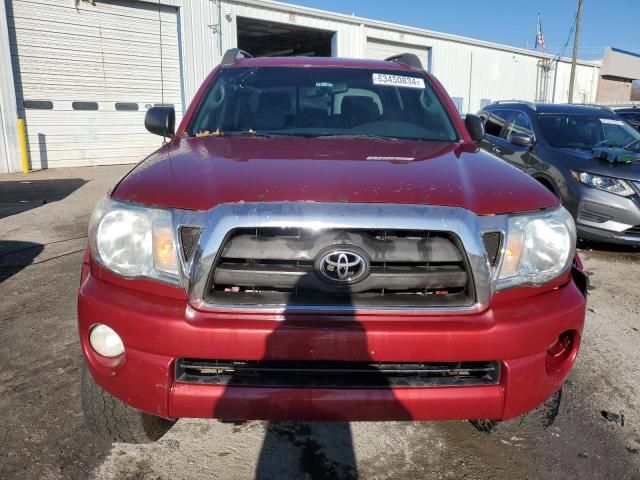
558,145
630,114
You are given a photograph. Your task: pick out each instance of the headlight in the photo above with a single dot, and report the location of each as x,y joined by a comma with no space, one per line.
134,241
608,184
539,248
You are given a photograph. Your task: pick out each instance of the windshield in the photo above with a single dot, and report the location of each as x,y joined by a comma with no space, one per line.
313,102
588,131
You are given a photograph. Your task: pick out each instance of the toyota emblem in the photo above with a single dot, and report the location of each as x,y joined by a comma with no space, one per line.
342,266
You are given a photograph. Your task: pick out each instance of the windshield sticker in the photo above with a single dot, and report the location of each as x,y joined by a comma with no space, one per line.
398,81
611,121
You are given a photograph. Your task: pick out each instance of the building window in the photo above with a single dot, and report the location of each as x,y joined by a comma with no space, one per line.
38,104
84,105
458,102
127,106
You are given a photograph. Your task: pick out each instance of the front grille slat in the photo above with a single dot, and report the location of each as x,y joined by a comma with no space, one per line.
419,248
292,276
281,267
327,374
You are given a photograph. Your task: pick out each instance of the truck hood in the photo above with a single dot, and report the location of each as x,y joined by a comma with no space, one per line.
200,173
583,160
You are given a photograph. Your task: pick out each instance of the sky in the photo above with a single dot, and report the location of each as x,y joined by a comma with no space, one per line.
605,23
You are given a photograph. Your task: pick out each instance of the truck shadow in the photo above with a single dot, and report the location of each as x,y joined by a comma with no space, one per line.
17,196
16,255
319,450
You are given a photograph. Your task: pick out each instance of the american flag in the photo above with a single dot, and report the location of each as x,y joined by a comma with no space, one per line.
539,35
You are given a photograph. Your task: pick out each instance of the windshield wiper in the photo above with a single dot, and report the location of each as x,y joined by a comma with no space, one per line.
356,135
250,133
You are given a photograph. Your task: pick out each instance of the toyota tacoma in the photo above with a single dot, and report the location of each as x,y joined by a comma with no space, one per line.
322,239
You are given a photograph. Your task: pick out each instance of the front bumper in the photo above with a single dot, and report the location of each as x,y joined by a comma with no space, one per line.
605,217
156,330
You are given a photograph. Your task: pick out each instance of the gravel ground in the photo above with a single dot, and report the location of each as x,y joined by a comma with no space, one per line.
42,433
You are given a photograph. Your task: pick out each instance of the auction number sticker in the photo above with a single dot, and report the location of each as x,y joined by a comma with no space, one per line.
397,81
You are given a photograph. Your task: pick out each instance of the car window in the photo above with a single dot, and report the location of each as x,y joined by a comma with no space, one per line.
633,118
496,122
587,131
323,102
518,123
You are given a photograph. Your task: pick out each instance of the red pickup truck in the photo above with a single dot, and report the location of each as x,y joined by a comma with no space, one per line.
322,239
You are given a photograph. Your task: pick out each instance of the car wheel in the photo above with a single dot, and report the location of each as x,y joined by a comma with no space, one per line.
113,420
543,416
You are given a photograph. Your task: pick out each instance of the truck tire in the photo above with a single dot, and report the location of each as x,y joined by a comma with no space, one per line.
543,416
113,420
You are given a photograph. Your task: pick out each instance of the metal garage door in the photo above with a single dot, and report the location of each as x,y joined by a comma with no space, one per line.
85,77
380,49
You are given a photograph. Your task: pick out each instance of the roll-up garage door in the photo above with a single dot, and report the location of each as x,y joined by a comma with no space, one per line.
86,75
380,49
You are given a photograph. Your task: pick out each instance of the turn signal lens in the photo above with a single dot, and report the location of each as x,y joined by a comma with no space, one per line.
164,249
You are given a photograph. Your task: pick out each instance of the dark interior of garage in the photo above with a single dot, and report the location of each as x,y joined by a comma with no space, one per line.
269,39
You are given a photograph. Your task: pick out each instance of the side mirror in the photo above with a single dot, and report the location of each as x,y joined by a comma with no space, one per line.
161,121
474,127
521,139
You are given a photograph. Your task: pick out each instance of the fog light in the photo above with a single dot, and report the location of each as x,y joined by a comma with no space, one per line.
561,353
105,341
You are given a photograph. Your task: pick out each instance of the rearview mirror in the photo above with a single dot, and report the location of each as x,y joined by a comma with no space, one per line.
521,139
161,121
474,126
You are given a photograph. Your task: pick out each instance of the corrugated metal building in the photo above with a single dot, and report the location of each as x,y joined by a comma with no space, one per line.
82,76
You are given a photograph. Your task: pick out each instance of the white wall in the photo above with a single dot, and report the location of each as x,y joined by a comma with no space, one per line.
9,147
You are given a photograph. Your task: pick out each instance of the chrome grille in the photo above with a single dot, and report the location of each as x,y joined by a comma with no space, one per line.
279,266
222,222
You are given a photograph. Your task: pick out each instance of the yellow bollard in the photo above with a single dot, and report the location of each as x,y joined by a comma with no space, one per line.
22,136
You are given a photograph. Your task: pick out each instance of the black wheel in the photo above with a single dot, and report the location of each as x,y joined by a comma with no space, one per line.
543,416
113,420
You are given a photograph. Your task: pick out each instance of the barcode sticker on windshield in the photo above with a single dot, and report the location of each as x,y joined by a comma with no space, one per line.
397,81
611,121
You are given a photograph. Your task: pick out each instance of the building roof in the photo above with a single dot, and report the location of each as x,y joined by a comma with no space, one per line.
288,7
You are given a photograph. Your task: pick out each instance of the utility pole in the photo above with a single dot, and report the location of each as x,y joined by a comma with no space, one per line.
576,42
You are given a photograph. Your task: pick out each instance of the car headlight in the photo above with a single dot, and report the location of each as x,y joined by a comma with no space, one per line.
608,184
539,248
133,240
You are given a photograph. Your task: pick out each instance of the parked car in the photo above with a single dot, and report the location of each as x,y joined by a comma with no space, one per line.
630,114
321,239
555,145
